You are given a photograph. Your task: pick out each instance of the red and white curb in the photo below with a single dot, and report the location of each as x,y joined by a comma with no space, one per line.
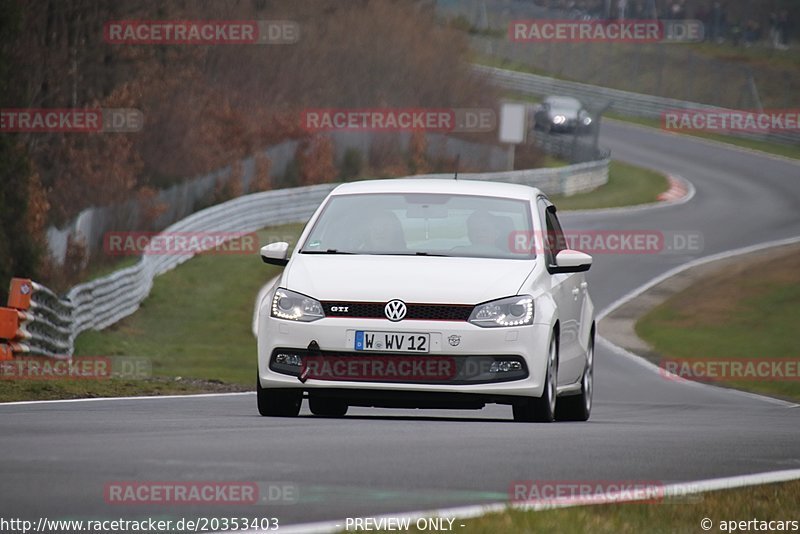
677,183
678,189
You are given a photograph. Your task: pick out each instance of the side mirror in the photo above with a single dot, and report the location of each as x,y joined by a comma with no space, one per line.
571,261
275,253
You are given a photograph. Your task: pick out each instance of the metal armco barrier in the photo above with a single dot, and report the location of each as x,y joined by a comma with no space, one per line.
36,322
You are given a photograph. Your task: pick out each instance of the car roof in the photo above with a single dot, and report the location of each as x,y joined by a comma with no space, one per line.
437,185
563,100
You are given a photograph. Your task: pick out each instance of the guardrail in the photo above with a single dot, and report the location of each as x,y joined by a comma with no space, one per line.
552,181
39,322
36,321
626,102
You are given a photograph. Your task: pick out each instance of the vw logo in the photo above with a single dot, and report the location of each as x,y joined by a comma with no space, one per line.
395,310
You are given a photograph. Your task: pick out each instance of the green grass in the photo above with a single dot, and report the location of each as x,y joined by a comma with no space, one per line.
766,502
100,270
195,325
22,390
753,56
627,185
552,162
750,313
701,72
196,321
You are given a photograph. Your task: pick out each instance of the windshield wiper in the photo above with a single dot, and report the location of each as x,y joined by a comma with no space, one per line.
328,251
416,254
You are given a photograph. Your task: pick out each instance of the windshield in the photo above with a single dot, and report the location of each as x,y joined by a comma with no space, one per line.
421,224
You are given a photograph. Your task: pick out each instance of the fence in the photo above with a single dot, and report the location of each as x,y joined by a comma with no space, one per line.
634,104
40,323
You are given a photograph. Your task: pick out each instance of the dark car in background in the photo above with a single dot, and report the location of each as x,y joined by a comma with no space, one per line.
562,114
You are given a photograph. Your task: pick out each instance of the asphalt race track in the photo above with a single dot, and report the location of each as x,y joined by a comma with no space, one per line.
57,457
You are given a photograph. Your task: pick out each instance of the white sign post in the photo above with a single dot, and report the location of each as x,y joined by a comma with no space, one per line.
513,127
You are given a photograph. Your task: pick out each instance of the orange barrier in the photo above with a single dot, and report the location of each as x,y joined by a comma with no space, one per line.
32,322
19,294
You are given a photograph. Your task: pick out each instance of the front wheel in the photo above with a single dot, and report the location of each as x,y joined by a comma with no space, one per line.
579,407
542,409
278,402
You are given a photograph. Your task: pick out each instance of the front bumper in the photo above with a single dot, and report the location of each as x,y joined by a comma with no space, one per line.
454,341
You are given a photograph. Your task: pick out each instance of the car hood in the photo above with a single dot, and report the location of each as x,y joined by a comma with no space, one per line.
411,279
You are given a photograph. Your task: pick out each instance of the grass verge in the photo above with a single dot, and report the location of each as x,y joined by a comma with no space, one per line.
194,329
768,502
627,185
747,312
196,321
87,389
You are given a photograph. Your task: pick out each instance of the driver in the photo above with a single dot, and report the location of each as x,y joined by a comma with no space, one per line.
483,230
384,234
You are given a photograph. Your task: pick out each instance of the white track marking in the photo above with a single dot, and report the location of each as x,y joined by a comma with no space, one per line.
700,261
150,397
467,512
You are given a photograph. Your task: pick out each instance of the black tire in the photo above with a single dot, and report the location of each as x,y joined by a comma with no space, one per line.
542,409
579,407
278,402
327,407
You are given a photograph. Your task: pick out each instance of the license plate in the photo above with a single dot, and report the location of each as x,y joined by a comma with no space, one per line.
392,341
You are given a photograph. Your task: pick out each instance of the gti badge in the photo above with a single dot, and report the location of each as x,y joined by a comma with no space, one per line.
395,310
454,340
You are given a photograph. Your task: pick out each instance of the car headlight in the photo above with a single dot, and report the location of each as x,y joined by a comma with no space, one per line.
559,119
295,306
510,311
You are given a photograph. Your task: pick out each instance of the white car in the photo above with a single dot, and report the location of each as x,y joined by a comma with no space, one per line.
428,293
